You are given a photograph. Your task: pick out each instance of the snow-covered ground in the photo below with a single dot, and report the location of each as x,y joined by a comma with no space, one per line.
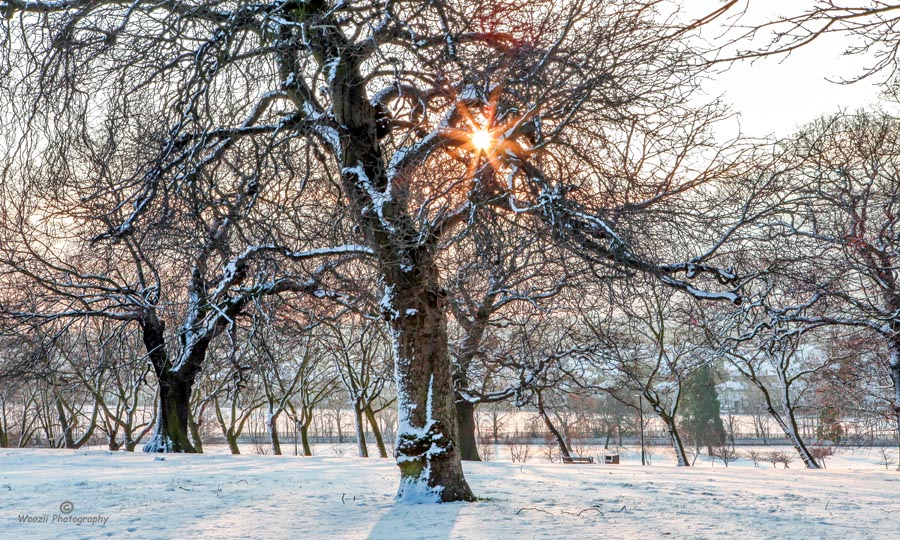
267,497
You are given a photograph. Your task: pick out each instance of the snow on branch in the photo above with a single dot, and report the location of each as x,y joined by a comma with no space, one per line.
235,267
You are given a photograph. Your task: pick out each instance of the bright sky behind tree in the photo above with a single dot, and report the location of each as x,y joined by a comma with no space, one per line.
777,94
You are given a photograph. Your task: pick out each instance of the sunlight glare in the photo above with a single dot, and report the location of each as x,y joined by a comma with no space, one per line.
482,140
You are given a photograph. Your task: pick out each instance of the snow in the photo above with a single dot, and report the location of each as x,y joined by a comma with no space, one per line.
270,497
379,198
387,304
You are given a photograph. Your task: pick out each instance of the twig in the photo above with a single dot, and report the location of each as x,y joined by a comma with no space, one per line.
531,508
592,508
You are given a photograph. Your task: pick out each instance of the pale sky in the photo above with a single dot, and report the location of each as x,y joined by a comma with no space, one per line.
778,94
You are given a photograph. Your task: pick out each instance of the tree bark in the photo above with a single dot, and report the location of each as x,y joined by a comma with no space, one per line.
4,431
668,419
465,410
173,408
376,432
414,303
170,434
272,425
195,434
465,414
427,435
675,438
304,438
799,444
560,442
233,444
789,427
790,430
68,439
894,369
360,432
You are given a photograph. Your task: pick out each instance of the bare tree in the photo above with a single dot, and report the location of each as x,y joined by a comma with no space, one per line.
317,383
417,112
840,223
647,347
867,27
361,354
782,368
499,268
117,380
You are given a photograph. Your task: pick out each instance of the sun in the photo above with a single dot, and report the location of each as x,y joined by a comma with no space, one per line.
482,140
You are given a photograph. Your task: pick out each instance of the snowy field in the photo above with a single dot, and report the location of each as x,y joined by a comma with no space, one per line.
266,497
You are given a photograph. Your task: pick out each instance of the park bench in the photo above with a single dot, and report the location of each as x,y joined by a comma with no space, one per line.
577,459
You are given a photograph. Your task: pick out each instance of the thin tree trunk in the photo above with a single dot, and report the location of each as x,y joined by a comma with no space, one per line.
894,369
465,410
675,438
340,433
233,444
304,438
4,431
790,429
465,414
195,434
376,432
272,425
89,432
360,432
68,440
112,435
560,442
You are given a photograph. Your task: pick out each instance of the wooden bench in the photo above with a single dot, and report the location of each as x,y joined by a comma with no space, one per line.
577,459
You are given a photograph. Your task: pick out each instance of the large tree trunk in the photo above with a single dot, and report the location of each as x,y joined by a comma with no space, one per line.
170,434
465,415
413,305
427,436
173,408
376,432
